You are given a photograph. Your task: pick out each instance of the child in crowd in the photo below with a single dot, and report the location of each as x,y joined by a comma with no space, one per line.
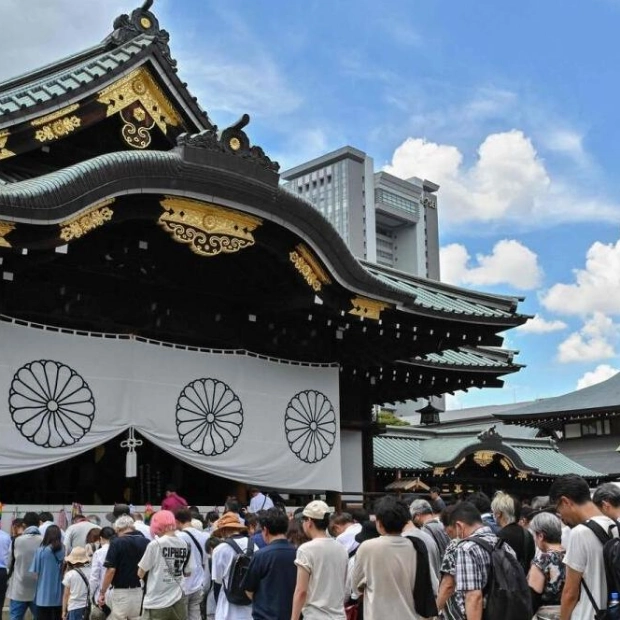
76,597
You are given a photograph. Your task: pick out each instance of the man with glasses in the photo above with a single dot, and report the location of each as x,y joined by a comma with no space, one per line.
585,589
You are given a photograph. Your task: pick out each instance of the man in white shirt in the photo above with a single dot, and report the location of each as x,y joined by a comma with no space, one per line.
228,527
321,586
584,554
259,501
194,584
76,533
344,528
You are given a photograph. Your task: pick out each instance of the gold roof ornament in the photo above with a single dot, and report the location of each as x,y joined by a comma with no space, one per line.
368,308
140,87
483,457
309,267
4,152
5,229
84,223
208,229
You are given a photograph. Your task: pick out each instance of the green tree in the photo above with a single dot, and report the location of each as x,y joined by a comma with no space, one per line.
389,419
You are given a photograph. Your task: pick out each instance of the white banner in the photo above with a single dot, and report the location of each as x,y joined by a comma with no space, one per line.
265,422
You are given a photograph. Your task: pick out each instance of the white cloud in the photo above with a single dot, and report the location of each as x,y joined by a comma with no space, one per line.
57,28
539,325
599,374
596,288
508,182
510,262
593,342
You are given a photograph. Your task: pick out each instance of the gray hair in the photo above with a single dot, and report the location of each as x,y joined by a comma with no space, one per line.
608,492
420,507
504,504
549,526
540,502
124,522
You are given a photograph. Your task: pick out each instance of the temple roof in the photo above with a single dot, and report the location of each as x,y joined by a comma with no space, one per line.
601,398
396,335
437,452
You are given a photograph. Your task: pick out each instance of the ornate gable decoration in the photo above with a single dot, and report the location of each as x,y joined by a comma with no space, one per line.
141,21
142,105
208,229
231,141
309,267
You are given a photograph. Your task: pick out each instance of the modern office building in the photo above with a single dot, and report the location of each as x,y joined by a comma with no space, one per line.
383,219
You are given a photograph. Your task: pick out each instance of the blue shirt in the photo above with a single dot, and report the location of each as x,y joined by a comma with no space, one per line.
5,546
271,576
47,564
259,541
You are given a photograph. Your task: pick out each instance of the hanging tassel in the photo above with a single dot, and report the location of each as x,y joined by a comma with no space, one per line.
131,460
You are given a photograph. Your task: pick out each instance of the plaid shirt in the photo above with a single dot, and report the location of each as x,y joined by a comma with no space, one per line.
472,561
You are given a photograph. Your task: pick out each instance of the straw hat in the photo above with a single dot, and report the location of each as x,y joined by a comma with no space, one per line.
228,521
77,556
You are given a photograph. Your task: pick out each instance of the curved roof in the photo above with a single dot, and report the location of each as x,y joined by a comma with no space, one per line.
416,450
602,397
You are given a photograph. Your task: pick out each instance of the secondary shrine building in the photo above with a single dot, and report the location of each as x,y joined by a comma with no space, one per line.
156,281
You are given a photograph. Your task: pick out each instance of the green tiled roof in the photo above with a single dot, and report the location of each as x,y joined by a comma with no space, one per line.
429,297
88,67
551,462
464,357
398,453
445,449
425,451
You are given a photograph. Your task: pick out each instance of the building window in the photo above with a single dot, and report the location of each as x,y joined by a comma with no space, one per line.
590,428
394,200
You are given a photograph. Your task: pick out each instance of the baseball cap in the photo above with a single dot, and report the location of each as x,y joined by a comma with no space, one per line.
316,509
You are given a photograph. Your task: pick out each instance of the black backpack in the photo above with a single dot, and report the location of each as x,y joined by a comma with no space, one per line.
507,593
238,569
611,559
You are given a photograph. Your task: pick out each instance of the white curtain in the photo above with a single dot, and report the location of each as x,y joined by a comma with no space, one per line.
261,421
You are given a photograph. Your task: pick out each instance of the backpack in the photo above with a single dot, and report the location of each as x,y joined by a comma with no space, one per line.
611,559
238,569
507,593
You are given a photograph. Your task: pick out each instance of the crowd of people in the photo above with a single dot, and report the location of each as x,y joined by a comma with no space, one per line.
425,559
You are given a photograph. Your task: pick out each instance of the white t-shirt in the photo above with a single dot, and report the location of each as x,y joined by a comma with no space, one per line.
584,553
326,561
260,502
347,538
166,560
78,592
223,556
196,581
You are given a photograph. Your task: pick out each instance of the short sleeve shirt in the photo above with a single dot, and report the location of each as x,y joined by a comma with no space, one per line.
455,605
272,576
552,566
123,555
473,562
166,561
78,591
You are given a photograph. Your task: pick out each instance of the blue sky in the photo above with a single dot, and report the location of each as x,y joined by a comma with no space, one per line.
510,107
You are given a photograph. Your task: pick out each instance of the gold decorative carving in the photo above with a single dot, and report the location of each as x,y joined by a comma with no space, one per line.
48,118
522,475
235,144
368,308
139,86
146,23
4,152
138,136
86,222
58,129
57,124
309,267
5,229
439,471
208,229
484,457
